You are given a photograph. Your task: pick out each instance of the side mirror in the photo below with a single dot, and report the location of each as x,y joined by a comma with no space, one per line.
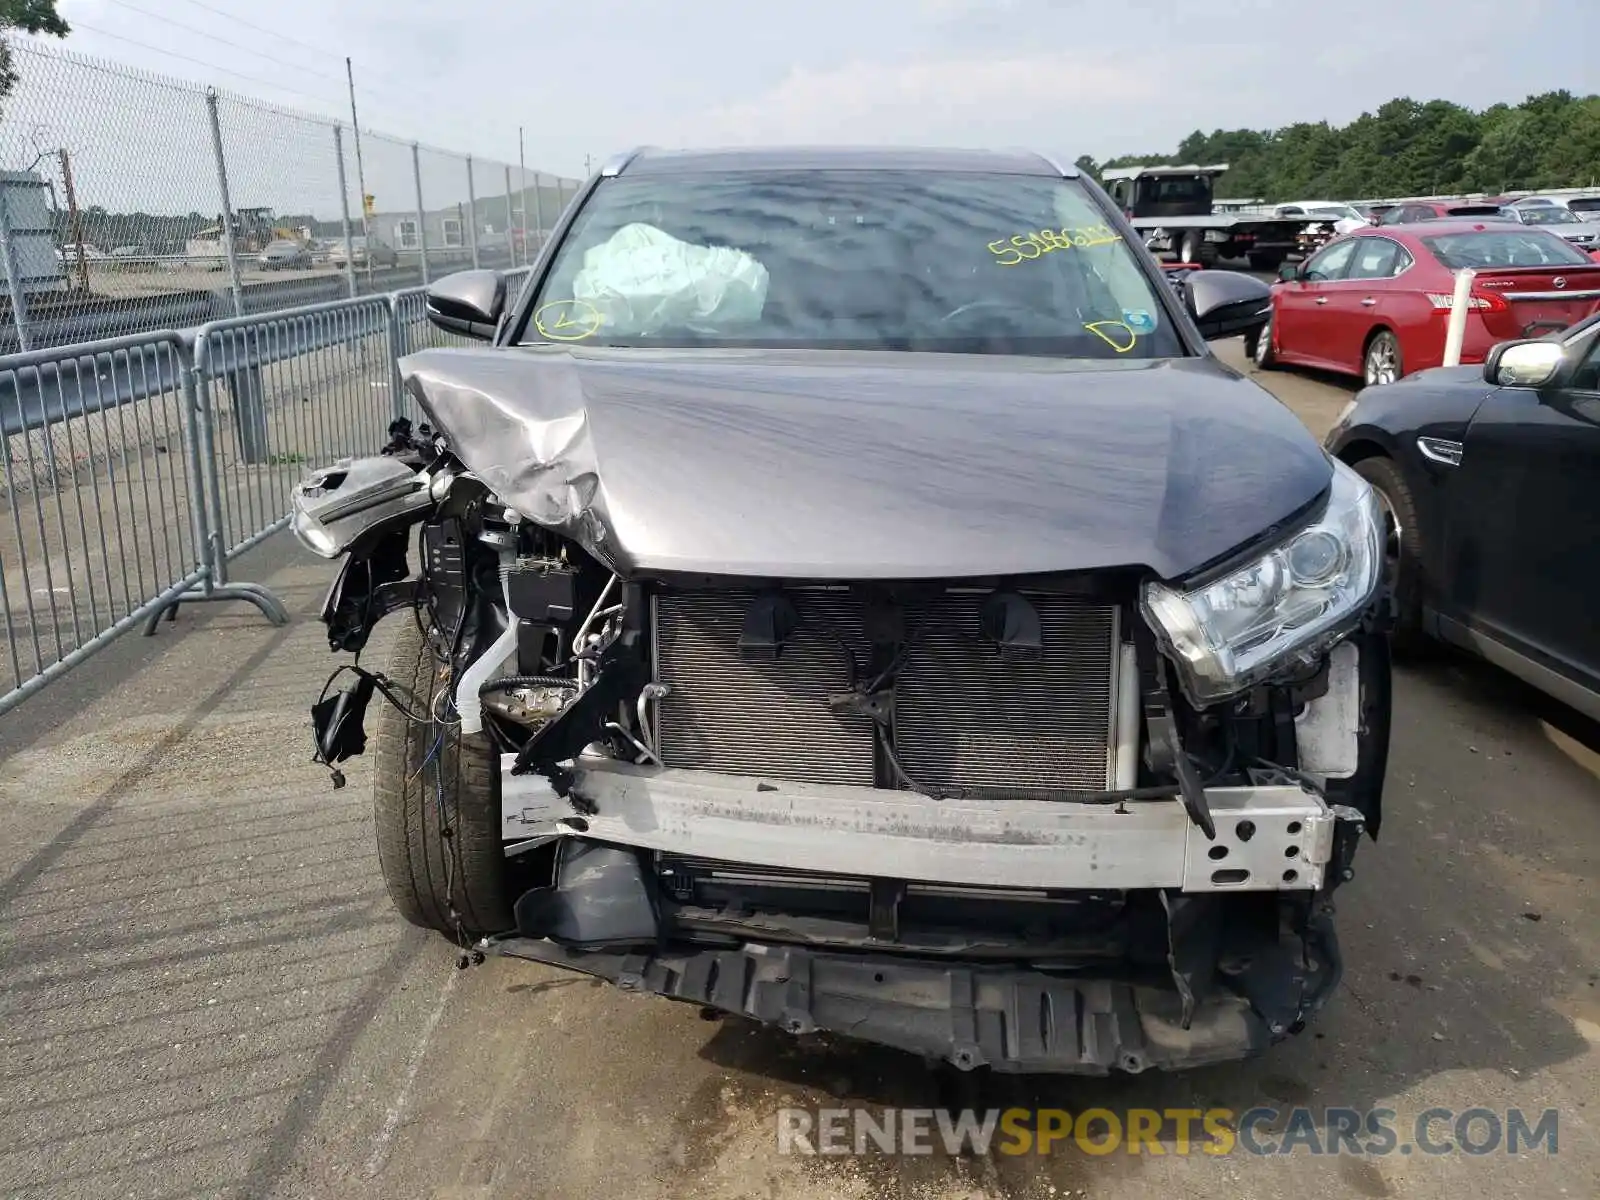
468,303
1289,272
1226,303
1528,364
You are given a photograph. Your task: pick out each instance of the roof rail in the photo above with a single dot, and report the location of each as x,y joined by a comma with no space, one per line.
1066,170
615,166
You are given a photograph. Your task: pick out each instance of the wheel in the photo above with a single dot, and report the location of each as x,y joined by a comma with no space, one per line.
1258,346
1382,362
436,805
1193,248
1265,260
1402,549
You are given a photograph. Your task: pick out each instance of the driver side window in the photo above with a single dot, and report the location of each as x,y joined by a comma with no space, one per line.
1329,263
1586,378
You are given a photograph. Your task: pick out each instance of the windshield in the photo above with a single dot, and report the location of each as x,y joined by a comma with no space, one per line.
872,260
1504,248
1548,216
283,245
1339,212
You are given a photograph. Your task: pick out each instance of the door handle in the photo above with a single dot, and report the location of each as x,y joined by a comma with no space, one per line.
1322,300
1369,302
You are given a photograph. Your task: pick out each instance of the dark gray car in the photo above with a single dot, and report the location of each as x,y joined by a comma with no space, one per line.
850,594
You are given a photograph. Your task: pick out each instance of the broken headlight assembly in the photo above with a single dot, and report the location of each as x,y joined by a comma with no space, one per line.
331,508
1289,605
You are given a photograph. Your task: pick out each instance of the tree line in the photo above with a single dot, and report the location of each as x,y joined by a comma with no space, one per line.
1407,148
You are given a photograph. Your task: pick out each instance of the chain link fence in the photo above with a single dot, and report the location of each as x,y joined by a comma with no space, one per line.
130,203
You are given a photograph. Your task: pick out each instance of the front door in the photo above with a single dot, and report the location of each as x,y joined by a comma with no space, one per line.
1522,557
1300,305
1369,298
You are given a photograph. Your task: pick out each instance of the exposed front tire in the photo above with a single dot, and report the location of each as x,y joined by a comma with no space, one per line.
1381,362
436,805
1402,550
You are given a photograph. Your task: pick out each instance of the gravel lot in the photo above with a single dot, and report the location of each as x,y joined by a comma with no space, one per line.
203,991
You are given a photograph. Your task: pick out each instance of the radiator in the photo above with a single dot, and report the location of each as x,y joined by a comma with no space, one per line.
965,716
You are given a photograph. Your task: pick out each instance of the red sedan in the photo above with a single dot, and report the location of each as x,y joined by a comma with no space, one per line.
1376,302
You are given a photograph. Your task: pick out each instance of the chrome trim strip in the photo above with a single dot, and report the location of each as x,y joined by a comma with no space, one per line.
1066,172
1586,294
1551,682
617,164
1440,450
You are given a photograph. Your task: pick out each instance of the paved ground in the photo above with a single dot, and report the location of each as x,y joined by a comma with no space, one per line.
203,991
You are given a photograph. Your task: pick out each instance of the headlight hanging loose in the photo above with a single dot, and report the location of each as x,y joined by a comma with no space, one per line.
1288,605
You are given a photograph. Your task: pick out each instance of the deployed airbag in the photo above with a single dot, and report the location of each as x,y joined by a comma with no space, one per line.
642,280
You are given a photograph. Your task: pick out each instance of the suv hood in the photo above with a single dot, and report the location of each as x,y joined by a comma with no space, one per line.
873,465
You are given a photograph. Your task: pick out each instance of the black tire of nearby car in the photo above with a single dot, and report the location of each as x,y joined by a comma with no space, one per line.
438,824
1265,260
1382,336
1258,348
1395,496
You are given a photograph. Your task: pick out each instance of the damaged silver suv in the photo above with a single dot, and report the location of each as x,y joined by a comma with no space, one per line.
844,590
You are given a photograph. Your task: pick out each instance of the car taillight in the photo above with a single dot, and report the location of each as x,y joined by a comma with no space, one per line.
1444,302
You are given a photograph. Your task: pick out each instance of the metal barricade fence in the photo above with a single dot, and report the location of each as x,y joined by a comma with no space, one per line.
136,468
286,391
104,512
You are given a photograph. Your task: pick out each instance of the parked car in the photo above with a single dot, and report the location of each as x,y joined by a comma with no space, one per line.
1587,208
284,254
363,253
831,616
71,252
1377,303
1437,210
1346,218
1559,221
1487,481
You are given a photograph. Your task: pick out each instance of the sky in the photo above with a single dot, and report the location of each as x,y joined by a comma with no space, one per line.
583,81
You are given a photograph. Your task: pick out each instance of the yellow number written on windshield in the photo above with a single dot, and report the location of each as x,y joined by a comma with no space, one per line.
1026,246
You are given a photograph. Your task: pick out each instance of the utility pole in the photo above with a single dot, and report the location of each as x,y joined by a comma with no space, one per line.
75,217
361,177
522,193
588,168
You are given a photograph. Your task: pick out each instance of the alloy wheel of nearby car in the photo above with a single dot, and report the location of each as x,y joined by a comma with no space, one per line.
1402,548
1382,363
1261,348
